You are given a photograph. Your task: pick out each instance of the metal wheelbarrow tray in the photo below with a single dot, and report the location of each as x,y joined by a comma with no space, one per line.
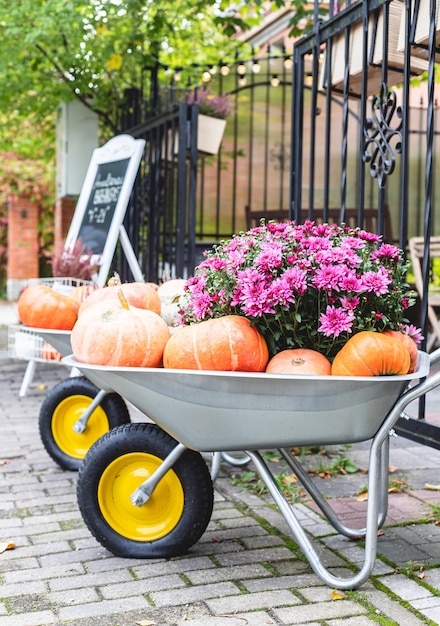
204,411
214,411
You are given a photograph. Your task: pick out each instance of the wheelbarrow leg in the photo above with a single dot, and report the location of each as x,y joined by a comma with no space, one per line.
324,505
303,540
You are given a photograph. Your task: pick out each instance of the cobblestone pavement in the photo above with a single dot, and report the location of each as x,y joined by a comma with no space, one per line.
245,571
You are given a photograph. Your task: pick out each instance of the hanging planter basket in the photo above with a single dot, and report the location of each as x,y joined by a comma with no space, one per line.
209,137
210,134
375,49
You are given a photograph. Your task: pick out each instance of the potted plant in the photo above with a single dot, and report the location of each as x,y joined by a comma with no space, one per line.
303,285
214,110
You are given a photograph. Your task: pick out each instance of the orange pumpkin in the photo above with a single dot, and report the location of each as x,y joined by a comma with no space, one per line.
227,343
49,353
409,343
299,361
81,292
106,333
39,306
371,354
139,295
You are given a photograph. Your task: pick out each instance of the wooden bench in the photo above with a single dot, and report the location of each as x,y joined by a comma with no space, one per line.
351,218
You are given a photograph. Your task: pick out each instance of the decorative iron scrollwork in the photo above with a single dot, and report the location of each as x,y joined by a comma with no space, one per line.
382,141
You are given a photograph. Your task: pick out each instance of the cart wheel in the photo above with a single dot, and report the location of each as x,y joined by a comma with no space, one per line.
177,512
63,406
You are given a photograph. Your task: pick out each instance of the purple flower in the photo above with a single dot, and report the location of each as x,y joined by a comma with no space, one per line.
335,321
327,278
376,282
412,331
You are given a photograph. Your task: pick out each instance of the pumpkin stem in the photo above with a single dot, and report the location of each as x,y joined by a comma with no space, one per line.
114,281
123,300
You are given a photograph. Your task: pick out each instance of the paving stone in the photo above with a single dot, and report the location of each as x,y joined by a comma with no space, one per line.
236,572
320,611
247,601
256,618
195,593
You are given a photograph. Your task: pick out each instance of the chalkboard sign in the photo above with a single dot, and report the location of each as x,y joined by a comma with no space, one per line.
103,201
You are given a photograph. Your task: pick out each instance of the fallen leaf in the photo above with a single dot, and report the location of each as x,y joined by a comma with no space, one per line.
217,539
326,474
432,487
362,497
41,387
421,575
337,595
6,545
4,461
290,479
146,622
392,469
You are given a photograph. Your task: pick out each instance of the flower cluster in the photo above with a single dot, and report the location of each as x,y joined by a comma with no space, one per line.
211,104
310,285
75,262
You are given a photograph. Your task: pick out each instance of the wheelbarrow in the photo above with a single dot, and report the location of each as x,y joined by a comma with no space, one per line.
144,490
80,409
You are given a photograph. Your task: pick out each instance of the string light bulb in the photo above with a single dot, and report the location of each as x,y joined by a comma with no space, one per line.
256,67
213,70
241,69
206,76
275,81
288,63
224,70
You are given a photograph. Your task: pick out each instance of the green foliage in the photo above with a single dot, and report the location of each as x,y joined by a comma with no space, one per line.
54,51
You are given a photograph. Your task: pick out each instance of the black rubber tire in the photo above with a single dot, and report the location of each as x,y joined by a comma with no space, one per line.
97,486
69,450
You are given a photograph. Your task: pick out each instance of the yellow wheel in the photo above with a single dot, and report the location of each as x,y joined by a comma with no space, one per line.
62,408
177,512
160,514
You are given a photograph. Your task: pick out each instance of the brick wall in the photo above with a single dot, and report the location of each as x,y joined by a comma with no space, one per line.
64,210
22,244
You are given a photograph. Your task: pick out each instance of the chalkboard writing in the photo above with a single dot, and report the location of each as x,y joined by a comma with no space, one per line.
101,205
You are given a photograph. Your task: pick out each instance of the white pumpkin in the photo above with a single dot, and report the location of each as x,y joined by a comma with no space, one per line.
169,293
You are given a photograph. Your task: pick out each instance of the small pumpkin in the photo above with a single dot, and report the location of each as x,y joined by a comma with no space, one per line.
226,343
169,293
49,353
81,292
368,353
39,306
139,295
409,343
299,361
111,333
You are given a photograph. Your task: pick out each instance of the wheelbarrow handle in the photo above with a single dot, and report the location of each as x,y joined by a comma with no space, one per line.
434,356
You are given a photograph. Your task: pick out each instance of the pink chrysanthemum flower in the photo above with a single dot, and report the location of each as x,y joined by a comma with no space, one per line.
335,321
